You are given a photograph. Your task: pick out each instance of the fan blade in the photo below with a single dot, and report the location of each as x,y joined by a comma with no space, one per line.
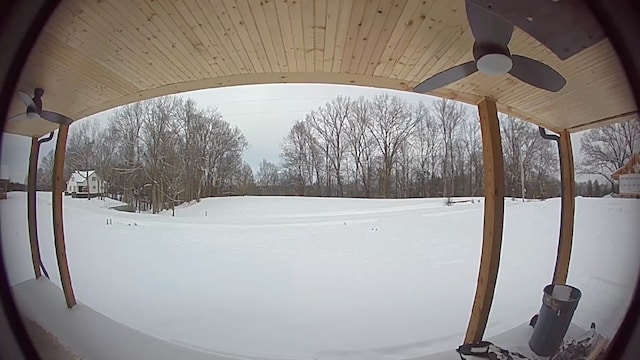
16,118
446,77
535,73
56,118
488,28
26,99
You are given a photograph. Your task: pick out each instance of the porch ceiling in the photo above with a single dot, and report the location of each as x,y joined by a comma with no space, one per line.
96,55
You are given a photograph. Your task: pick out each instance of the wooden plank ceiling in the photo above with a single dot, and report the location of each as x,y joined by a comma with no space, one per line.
96,55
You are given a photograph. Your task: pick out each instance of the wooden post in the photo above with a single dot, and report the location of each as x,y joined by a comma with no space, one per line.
493,219
567,179
31,206
58,229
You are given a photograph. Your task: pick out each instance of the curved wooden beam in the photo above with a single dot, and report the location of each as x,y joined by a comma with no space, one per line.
58,228
31,206
493,220
567,179
39,127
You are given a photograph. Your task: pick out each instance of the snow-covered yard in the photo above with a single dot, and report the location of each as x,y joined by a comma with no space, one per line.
326,278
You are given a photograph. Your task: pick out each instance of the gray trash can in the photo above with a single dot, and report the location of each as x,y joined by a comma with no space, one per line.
558,304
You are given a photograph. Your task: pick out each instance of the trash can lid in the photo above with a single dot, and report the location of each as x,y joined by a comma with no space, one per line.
565,293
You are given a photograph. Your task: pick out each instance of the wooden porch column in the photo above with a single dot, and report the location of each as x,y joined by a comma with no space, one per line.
31,206
493,220
58,229
567,179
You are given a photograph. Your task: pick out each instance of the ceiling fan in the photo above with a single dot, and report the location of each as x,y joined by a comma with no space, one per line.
492,56
34,109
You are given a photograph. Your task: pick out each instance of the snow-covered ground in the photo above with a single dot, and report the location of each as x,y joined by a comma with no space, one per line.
326,278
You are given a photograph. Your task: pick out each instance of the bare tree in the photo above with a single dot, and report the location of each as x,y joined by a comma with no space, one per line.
245,180
402,165
124,129
45,171
173,179
329,124
361,144
190,124
224,159
297,157
520,142
449,115
544,171
170,151
158,135
391,125
471,142
429,149
268,176
608,148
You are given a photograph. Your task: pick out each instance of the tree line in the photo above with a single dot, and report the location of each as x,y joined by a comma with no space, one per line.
591,188
607,149
160,152
386,147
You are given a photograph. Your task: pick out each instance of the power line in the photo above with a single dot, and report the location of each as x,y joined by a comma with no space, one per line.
259,113
272,99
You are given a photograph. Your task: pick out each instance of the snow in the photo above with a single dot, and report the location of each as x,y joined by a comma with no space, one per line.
325,278
92,334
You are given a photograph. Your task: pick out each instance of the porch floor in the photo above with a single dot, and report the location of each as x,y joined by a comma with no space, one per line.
94,336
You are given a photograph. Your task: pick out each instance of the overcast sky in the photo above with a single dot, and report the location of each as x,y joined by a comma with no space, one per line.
264,114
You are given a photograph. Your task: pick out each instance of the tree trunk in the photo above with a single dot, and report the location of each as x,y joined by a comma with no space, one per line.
387,179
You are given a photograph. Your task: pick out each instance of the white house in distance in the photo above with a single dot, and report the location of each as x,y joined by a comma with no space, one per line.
85,184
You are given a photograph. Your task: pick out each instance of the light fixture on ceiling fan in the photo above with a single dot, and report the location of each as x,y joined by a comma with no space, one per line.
492,56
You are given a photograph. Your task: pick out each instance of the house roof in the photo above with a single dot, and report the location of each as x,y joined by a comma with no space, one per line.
96,55
81,176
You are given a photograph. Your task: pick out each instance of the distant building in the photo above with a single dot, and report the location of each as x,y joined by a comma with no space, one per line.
4,181
628,177
85,184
